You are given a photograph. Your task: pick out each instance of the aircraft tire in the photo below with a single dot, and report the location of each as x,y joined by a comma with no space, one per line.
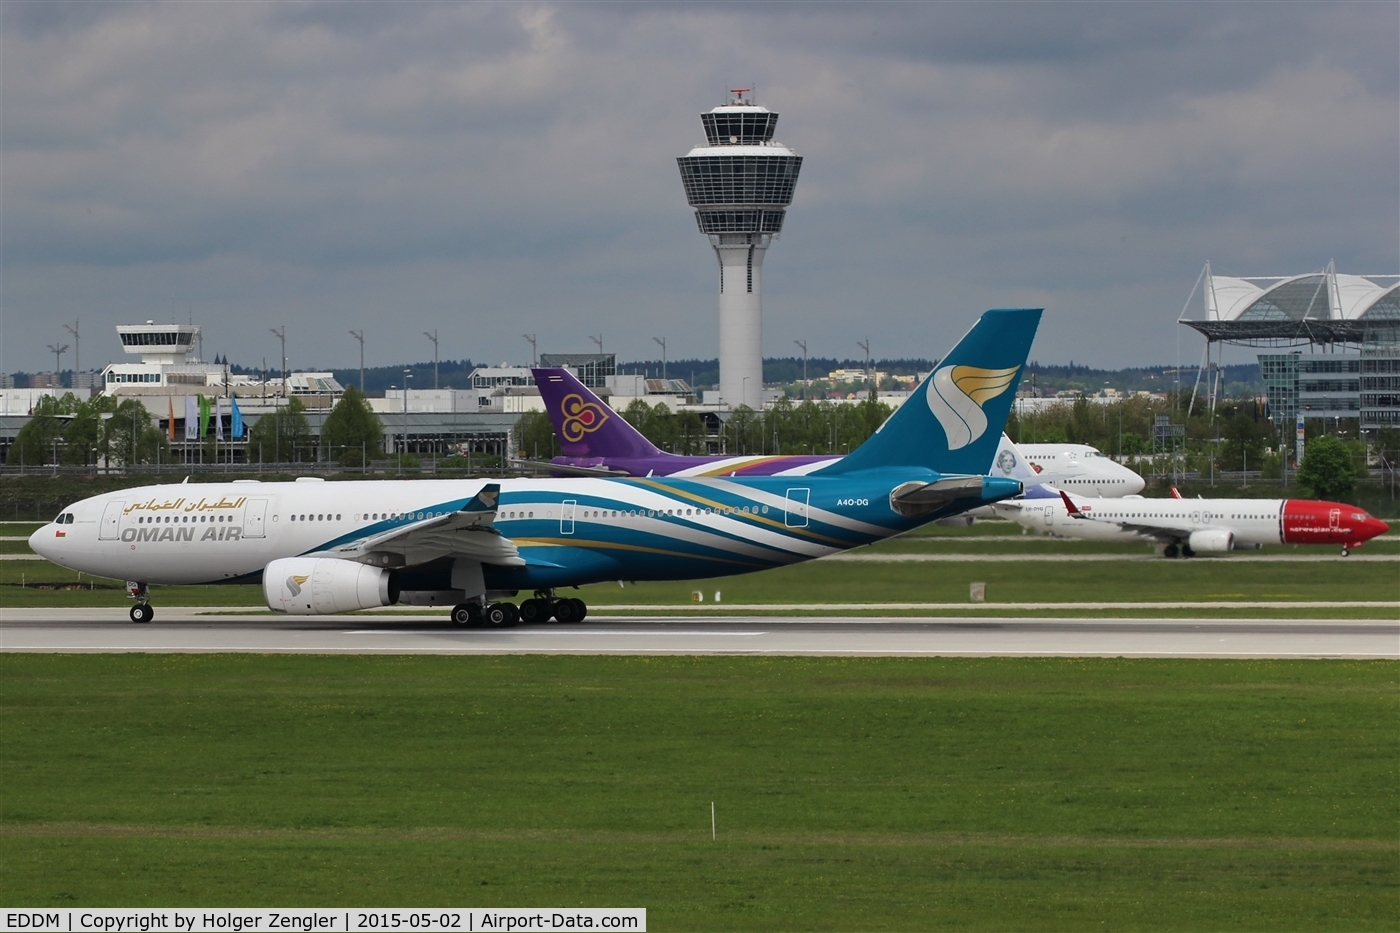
1186,551
567,612
1346,551
141,613
580,609
463,615
501,615
535,611
1169,551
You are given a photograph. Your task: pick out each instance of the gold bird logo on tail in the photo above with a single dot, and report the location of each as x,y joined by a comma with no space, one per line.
956,395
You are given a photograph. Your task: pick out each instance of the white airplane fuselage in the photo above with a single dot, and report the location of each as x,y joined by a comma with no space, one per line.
1082,470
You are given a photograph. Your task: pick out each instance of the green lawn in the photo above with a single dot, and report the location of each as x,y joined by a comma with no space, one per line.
1204,579
851,793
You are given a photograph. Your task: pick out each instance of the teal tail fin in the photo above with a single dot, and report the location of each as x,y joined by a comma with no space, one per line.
953,421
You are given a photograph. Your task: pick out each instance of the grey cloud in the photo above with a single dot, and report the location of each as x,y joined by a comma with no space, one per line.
483,168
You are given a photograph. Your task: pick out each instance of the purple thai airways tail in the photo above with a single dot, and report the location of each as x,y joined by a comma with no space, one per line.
586,426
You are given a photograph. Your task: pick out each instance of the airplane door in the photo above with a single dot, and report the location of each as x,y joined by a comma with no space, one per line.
566,517
254,518
111,521
798,504
1049,515
1334,519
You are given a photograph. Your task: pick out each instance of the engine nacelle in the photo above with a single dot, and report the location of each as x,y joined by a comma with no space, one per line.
1214,540
308,586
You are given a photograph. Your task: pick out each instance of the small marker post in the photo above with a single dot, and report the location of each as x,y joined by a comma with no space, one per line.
712,821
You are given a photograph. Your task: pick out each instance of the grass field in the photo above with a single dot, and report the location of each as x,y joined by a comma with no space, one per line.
851,793
853,582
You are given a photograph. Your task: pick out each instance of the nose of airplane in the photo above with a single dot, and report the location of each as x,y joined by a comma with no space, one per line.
41,541
1373,528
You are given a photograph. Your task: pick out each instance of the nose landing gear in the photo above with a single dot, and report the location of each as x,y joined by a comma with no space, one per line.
142,612
1346,551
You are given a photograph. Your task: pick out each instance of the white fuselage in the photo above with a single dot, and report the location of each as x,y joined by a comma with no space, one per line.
1083,470
1253,522
203,533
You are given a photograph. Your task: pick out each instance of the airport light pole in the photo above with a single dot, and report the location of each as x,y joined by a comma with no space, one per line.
803,345
58,350
534,349
865,345
281,334
662,341
360,336
434,338
598,340
77,357
407,375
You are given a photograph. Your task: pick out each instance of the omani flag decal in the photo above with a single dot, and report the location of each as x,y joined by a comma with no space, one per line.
956,395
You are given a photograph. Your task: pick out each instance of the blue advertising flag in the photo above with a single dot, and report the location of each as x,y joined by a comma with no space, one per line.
236,422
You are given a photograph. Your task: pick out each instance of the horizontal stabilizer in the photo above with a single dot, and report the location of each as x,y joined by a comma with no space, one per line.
916,499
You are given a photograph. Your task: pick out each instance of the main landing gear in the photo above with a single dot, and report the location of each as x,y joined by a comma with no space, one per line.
536,611
1172,550
1346,551
142,612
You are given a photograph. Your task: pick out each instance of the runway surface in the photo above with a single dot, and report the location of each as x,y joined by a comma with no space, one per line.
198,631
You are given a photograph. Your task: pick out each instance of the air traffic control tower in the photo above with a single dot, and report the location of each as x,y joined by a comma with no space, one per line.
740,185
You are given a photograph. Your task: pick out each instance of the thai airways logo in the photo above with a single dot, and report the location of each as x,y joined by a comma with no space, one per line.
580,418
956,395
295,581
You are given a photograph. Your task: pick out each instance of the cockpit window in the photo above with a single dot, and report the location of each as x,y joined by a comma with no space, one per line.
65,518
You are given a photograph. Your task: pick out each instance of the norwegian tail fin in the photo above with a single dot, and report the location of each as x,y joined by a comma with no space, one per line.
586,426
952,423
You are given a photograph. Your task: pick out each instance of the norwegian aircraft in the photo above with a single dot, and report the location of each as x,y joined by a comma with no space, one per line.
597,441
1188,527
322,547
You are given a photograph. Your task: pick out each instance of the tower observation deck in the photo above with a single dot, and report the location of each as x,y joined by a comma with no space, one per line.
740,184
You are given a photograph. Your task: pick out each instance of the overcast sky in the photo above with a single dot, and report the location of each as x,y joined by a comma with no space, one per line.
488,170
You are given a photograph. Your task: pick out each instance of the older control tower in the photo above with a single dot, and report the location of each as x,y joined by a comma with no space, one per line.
740,185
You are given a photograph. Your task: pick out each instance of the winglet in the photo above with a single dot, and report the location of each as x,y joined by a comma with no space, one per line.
1175,493
1070,507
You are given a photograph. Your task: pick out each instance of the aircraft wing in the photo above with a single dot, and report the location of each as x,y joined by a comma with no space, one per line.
1164,533
470,533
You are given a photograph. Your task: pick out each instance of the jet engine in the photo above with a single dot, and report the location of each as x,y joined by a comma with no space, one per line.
1211,540
308,586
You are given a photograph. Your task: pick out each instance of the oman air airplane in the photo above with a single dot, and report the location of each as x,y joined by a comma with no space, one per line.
596,440
1187,527
321,547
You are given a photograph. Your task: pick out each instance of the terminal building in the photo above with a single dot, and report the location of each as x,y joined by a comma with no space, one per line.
1332,341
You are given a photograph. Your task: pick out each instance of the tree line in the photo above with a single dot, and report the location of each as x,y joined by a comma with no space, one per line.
120,432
